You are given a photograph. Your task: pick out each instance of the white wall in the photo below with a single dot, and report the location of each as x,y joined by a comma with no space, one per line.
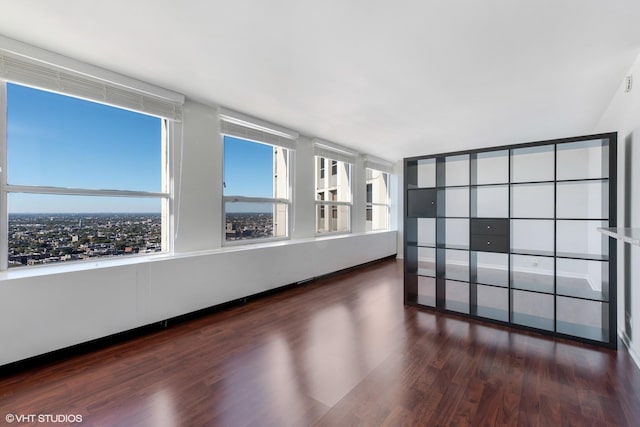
48,308
623,115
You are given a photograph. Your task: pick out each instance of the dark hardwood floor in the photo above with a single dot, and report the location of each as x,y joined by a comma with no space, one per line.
342,351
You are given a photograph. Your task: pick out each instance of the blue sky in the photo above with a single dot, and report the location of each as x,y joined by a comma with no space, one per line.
60,141
248,171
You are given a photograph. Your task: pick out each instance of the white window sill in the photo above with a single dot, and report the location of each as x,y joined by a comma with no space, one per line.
71,267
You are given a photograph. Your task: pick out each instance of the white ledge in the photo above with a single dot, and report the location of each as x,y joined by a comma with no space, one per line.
118,261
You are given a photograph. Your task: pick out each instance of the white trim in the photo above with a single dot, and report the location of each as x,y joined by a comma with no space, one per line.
248,121
4,210
627,343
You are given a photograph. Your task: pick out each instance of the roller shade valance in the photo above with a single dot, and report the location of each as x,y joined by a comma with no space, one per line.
240,125
378,164
333,151
31,72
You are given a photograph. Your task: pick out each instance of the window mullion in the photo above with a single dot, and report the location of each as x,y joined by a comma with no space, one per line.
4,212
33,189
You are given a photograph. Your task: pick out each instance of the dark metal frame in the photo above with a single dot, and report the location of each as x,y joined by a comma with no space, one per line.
411,250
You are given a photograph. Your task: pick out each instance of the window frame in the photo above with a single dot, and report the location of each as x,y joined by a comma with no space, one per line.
225,115
167,130
329,204
369,206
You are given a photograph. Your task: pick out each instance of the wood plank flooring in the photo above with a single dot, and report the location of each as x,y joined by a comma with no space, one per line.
342,351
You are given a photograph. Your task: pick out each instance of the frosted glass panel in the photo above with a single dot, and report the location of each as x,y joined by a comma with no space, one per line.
532,164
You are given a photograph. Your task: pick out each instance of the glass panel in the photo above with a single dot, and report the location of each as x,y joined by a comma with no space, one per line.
426,232
252,169
60,141
46,229
427,291
493,303
585,319
457,202
584,279
457,233
532,309
426,173
377,187
246,220
532,201
332,218
378,217
492,167
333,180
492,268
457,170
587,199
581,239
532,236
457,296
584,159
427,261
491,202
532,273
457,265
532,164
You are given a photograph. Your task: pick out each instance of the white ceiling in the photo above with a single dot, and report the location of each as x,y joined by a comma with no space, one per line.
389,78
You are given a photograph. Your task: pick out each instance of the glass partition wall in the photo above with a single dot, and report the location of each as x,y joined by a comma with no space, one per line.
509,234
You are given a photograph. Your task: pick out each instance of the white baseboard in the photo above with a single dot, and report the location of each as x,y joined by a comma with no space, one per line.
627,343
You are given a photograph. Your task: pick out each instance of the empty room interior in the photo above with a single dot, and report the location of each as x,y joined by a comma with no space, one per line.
329,213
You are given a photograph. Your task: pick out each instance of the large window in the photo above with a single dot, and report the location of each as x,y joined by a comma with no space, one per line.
81,179
378,208
257,194
333,196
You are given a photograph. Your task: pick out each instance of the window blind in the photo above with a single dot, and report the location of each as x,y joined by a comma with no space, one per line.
378,164
31,72
333,151
243,126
